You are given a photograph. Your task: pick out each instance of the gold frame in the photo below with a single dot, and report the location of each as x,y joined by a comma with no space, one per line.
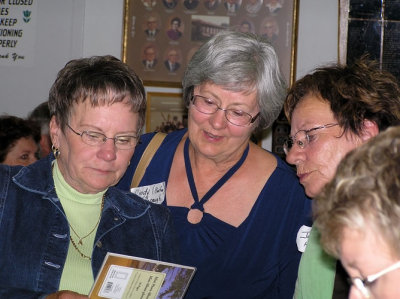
343,27
134,40
293,52
153,121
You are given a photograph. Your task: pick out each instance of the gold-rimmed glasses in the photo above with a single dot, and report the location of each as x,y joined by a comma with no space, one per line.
93,138
236,117
302,138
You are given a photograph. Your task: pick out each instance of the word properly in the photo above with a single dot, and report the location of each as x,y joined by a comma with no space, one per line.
8,43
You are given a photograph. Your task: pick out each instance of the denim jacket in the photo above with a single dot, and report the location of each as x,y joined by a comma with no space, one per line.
34,232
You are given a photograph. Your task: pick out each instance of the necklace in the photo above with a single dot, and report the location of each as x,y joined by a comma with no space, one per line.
80,252
196,211
87,235
95,226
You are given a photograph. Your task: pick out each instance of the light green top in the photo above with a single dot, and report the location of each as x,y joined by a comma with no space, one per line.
82,211
316,276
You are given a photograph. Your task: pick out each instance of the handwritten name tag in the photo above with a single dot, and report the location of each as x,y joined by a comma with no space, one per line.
302,237
154,193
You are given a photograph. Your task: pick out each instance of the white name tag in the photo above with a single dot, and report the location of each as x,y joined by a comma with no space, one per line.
154,193
302,237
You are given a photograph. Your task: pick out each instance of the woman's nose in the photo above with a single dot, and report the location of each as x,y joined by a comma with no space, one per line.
218,119
108,150
295,155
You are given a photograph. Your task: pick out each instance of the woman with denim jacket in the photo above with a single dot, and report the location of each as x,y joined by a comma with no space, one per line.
60,216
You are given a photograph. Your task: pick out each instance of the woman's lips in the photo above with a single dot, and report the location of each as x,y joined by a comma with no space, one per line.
212,136
303,176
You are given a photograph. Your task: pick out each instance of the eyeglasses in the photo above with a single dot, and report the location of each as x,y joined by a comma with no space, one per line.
97,138
234,116
302,138
363,285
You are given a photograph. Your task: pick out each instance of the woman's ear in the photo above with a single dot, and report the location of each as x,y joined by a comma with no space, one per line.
55,131
370,129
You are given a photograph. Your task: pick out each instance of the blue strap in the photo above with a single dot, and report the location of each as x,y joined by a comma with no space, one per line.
197,203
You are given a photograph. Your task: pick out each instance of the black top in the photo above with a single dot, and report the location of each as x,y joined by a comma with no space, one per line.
341,287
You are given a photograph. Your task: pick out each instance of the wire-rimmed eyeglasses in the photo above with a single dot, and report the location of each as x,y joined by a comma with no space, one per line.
302,138
363,285
236,117
92,138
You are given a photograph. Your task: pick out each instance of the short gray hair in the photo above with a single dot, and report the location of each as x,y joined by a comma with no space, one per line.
240,62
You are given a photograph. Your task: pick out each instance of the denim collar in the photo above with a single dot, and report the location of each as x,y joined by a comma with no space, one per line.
38,178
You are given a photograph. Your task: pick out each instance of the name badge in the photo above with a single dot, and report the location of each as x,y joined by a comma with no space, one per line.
154,193
302,237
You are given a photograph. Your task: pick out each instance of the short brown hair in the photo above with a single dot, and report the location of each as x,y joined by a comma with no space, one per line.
94,79
355,93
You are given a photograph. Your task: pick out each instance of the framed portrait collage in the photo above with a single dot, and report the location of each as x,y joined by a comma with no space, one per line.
161,36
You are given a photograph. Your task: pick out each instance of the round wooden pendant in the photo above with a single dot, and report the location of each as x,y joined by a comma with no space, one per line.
194,216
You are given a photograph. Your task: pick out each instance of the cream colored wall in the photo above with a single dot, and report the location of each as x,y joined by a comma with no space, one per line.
69,29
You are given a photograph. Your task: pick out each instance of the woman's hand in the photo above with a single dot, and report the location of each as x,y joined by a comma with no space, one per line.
66,295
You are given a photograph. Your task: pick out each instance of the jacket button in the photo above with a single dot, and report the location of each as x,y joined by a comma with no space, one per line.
116,218
99,244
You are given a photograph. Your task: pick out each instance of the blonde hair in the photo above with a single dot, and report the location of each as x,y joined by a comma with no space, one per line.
365,191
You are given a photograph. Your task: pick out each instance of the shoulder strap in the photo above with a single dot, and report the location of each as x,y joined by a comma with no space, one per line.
146,158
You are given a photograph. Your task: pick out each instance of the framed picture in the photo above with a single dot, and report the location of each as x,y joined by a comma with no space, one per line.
370,27
166,112
161,36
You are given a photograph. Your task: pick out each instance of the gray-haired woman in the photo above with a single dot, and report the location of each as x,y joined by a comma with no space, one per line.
237,208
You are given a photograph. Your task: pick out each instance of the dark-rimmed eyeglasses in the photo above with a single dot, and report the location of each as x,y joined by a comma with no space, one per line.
363,285
234,116
92,138
302,138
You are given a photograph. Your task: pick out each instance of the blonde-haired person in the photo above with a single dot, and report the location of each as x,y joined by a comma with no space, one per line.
358,216
332,111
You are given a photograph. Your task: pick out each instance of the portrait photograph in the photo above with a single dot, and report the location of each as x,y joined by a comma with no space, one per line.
161,36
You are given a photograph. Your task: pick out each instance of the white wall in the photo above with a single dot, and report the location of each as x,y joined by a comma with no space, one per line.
59,37
68,29
103,27
317,34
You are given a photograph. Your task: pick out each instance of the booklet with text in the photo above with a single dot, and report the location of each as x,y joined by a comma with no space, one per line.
130,277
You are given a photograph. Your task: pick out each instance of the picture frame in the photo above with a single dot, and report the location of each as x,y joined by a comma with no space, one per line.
165,112
370,28
175,29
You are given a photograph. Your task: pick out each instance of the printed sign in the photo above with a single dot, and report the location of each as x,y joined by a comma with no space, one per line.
17,32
